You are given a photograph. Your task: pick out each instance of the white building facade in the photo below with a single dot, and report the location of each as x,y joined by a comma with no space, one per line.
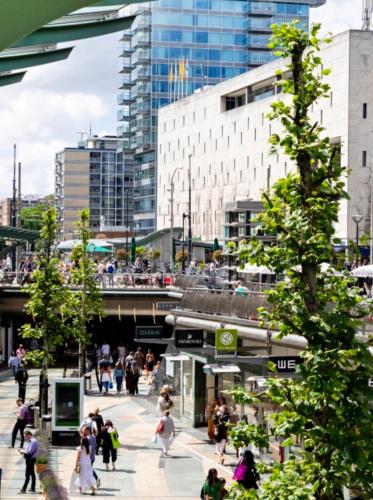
222,134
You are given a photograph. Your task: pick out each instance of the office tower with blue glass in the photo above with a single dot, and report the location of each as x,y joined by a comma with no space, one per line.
176,47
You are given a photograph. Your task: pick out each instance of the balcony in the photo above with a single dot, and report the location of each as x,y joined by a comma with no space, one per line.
124,98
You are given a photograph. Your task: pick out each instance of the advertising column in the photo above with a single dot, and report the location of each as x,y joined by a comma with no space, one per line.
67,410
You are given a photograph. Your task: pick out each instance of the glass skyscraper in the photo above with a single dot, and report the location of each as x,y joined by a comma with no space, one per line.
175,47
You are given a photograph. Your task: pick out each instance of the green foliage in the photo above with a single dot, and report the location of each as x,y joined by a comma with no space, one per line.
49,300
86,300
328,406
32,217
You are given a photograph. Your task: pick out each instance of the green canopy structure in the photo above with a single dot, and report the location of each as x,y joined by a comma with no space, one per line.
92,248
30,30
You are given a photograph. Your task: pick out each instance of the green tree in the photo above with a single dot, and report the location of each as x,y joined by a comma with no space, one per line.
87,297
328,405
32,217
48,305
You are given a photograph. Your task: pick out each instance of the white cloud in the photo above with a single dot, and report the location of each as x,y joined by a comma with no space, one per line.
338,15
45,112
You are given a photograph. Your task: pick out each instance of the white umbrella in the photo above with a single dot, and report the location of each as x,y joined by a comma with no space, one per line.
254,269
363,272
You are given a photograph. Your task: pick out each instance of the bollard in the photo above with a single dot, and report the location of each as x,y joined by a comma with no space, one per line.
87,383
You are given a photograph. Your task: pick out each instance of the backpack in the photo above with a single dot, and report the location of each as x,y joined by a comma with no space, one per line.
110,268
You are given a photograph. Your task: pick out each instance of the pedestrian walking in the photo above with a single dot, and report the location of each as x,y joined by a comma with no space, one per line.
29,454
22,411
211,413
118,376
20,352
246,473
158,377
211,488
130,380
166,429
13,364
100,424
149,361
83,467
105,350
92,452
164,402
136,377
220,438
21,379
139,357
106,379
110,444
90,423
121,352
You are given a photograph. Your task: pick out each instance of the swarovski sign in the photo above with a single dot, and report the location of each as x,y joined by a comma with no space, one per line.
188,338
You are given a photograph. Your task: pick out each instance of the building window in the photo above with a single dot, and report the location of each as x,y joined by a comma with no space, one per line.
216,144
228,141
210,169
241,137
321,116
255,134
286,168
365,110
188,140
247,161
210,133
270,130
221,167
262,159
178,144
204,112
248,123
234,165
199,137
174,123
364,159
204,148
234,127
254,174
268,176
222,130
240,175
262,118
183,120
331,99
164,127
194,150
194,117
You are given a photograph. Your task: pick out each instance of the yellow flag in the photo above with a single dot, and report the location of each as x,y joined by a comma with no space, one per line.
181,69
171,75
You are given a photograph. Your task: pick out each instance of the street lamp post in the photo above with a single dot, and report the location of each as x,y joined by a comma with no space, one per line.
190,209
357,219
172,218
127,228
185,216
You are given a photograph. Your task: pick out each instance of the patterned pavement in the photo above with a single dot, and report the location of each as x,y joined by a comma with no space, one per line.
141,471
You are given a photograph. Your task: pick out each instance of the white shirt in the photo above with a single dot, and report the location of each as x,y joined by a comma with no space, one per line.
105,349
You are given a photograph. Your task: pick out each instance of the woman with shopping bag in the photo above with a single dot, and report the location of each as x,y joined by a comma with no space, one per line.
166,429
246,473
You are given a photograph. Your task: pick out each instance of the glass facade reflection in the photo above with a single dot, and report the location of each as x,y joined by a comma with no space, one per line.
175,47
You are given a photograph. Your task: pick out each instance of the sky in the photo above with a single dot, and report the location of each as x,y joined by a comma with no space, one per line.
58,102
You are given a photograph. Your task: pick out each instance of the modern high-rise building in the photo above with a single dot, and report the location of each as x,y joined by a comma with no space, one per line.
94,175
175,47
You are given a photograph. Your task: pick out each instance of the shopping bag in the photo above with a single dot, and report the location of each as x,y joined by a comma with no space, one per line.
114,440
155,439
110,385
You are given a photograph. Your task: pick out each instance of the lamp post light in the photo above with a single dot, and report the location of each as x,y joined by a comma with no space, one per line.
357,219
127,226
185,216
172,218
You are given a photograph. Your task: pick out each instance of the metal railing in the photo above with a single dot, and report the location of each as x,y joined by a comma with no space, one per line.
224,303
105,280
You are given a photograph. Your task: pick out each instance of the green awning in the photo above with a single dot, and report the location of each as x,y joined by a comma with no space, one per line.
76,31
19,18
18,234
11,78
11,62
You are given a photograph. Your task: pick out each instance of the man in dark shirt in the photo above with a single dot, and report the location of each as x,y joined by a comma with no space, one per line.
29,454
21,378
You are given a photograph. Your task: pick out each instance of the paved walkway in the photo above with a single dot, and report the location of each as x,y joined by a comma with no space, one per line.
141,471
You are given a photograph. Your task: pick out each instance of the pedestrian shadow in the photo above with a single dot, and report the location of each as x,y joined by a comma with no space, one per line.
134,447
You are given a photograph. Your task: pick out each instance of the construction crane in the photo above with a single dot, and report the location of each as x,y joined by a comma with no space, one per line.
367,15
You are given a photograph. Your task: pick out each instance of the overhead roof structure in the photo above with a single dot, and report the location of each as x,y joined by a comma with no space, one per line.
17,234
29,31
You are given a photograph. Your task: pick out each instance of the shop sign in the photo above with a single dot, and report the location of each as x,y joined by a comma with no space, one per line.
188,338
166,306
285,364
149,332
226,339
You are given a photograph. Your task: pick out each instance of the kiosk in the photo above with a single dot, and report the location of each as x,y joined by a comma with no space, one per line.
67,410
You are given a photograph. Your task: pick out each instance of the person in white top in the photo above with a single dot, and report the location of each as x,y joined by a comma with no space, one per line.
90,423
105,350
166,429
84,467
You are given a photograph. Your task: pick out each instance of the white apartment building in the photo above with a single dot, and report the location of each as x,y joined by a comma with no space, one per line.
222,134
